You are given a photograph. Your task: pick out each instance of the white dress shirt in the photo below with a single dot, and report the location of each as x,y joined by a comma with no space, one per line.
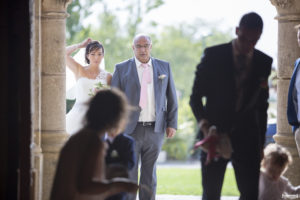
148,113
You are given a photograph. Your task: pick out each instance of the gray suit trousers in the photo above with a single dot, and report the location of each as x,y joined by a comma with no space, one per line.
147,147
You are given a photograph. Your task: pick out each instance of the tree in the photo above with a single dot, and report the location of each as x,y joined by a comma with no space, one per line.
109,33
182,45
78,11
136,10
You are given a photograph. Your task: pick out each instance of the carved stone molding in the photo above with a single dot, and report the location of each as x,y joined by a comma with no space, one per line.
282,3
65,2
54,15
288,10
55,5
286,18
53,141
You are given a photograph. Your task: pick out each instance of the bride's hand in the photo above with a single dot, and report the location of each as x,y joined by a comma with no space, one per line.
85,42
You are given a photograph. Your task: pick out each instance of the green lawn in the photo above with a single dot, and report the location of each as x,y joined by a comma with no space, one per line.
186,181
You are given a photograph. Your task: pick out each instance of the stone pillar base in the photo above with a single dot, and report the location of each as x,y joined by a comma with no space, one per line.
37,174
289,143
52,143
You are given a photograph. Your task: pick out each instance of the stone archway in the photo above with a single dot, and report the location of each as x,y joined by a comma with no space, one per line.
49,86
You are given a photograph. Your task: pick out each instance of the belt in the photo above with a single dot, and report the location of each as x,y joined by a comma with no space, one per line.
147,123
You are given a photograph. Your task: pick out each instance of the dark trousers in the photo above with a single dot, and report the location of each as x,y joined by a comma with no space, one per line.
246,164
120,196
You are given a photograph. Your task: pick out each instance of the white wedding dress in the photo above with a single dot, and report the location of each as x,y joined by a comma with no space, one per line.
75,117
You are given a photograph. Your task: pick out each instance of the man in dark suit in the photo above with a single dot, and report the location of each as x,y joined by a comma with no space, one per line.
233,79
119,159
293,104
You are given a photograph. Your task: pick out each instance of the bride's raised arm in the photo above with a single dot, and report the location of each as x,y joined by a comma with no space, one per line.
74,66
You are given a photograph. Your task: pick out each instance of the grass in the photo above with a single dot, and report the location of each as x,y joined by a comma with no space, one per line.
187,181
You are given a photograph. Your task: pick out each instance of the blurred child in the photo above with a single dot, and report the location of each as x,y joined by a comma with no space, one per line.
272,185
119,159
80,172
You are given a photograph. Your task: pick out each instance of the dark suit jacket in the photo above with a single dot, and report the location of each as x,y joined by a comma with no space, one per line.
292,104
121,155
121,152
215,80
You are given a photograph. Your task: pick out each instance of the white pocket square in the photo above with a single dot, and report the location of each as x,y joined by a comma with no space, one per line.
162,76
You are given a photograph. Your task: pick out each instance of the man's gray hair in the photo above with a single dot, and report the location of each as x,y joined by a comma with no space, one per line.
138,36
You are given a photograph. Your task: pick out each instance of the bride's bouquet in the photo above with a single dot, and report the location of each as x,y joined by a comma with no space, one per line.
98,86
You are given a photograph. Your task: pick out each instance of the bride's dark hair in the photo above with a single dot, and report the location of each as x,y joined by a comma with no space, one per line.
106,109
92,46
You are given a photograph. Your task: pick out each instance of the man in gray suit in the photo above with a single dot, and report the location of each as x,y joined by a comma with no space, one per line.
148,85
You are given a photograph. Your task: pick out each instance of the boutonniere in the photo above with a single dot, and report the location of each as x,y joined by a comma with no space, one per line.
162,76
263,83
114,154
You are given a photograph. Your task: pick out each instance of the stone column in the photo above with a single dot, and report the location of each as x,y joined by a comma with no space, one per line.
53,106
288,50
37,157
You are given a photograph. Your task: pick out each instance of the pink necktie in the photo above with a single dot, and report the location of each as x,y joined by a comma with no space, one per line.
146,79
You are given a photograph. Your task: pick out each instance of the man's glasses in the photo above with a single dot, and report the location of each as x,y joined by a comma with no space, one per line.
146,46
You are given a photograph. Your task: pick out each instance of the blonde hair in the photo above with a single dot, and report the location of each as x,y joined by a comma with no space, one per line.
276,155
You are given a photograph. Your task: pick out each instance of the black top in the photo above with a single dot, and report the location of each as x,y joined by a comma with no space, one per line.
215,80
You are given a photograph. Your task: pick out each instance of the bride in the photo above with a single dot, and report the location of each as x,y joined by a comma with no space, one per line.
88,79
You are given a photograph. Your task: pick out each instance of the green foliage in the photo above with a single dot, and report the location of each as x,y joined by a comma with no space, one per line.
69,104
150,5
136,10
117,47
78,11
180,147
182,47
176,148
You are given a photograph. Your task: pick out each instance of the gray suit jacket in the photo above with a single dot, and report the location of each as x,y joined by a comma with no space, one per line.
126,78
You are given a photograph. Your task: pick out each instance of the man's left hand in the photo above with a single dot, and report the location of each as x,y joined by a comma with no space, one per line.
170,132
